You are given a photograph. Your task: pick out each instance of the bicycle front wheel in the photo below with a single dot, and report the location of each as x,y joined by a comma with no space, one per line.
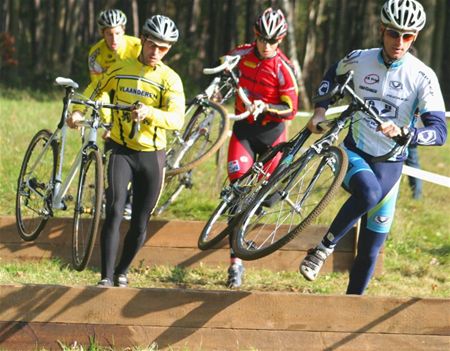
289,203
206,130
88,208
35,186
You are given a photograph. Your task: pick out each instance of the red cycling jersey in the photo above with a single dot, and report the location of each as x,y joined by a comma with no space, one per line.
271,80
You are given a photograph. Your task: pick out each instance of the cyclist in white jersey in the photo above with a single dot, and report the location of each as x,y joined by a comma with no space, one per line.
395,84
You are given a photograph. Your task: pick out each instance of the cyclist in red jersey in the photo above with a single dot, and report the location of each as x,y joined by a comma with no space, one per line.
268,79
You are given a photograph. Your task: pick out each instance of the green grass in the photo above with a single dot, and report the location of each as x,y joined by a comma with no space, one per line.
417,253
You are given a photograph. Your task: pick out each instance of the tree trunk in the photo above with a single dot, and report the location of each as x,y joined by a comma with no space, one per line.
292,53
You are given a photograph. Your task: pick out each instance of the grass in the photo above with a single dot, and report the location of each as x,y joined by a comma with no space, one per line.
417,253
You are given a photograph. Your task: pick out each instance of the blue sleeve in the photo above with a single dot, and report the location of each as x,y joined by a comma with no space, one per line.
434,131
326,84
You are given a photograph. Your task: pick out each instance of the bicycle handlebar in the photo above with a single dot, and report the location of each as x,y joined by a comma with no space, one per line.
229,63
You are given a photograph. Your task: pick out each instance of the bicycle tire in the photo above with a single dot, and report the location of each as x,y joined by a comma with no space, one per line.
206,130
33,210
270,222
234,199
173,186
88,208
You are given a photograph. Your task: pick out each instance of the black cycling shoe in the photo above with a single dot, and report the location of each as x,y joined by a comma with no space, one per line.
121,280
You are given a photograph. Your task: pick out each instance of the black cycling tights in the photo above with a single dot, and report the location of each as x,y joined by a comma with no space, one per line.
145,171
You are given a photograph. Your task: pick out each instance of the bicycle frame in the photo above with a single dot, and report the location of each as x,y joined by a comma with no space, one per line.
59,188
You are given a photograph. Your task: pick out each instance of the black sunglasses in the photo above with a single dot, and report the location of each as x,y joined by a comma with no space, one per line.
267,41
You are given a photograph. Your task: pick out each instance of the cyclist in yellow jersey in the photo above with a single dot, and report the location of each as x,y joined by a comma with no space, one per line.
115,46
137,141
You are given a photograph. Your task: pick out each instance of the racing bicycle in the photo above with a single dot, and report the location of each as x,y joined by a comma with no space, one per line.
41,189
291,199
205,131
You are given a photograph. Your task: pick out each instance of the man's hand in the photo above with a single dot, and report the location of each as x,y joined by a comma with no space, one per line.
258,107
141,112
318,116
74,119
390,129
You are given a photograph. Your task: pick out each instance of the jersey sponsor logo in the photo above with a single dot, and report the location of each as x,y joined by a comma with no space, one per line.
250,64
394,84
383,108
382,219
397,97
243,159
138,92
372,79
324,87
233,166
367,88
352,55
426,137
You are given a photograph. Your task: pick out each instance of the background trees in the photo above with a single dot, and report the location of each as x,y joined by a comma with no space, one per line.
42,39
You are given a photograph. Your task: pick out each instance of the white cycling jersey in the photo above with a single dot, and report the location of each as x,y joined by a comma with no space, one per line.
394,93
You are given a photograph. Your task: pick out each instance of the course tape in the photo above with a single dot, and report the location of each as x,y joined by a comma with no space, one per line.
338,109
427,176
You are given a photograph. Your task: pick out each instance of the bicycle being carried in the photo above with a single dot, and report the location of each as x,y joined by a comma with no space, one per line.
41,189
205,130
300,189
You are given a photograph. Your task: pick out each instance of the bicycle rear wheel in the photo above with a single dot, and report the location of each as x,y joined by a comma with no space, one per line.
173,186
35,186
206,130
88,208
289,203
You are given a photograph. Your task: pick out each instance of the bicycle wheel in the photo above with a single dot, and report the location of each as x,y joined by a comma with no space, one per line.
88,208
206,130
173,186
35,186
234,199
289,203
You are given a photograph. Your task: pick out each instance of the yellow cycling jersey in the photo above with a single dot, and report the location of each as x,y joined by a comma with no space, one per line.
130,81
101,57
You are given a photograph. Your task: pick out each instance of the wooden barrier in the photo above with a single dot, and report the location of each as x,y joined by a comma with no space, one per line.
37,316
174,243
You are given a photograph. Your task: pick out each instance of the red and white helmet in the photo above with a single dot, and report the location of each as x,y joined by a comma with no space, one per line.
271,24
405,15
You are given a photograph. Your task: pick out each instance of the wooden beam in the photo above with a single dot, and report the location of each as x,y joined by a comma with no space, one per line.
35,316
175,243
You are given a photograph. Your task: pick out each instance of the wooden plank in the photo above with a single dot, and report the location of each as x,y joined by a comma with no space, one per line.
162,233
174,243
221,320
29,336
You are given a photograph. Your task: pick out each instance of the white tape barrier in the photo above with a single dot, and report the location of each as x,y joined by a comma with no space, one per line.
427,176
338,109
330,111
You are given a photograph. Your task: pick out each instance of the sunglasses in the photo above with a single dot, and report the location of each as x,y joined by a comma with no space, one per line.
152,44
406,36
267,41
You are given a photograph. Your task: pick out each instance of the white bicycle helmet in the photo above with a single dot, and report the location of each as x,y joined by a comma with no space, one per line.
271,24
111,18
405,15
161,29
